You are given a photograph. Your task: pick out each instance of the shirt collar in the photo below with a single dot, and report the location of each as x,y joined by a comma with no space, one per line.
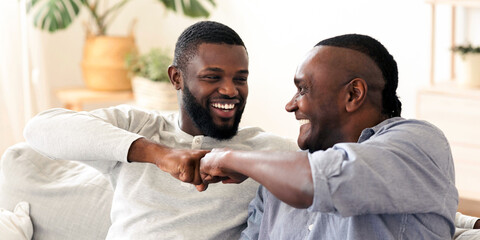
369,132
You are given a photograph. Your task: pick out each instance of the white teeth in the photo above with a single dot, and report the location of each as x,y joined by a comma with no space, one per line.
227,106
303,121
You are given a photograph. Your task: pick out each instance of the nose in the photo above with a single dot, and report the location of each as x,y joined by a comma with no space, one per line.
228,88
292,104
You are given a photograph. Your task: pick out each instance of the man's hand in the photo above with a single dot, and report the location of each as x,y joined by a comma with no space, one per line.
182,164
214,167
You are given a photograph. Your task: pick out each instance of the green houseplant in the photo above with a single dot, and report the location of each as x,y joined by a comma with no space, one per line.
151,65
469,67
151,85
54,15
466,49
103,56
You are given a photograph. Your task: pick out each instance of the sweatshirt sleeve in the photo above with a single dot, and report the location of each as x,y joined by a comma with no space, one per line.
100,135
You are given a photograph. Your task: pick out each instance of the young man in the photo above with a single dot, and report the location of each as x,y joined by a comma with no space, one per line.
368,173
140,151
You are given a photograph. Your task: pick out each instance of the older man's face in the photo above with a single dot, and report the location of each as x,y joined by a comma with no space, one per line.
317,103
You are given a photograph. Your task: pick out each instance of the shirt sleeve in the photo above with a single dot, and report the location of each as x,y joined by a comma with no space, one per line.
403,168
255,215
465,221
100,135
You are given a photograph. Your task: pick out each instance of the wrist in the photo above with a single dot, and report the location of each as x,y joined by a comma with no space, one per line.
136,150
230,161
143,150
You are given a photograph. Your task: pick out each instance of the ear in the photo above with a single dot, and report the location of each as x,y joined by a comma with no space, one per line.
175,77
356,91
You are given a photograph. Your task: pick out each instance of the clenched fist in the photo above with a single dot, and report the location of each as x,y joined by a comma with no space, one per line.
183,164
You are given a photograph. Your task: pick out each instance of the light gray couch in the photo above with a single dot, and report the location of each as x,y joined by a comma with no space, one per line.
68,200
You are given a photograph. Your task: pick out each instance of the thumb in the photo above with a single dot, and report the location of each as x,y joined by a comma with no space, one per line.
201,187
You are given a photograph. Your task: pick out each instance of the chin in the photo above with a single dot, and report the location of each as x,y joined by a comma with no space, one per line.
302,145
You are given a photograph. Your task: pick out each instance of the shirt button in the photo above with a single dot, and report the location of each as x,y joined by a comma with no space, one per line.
310,227
197,140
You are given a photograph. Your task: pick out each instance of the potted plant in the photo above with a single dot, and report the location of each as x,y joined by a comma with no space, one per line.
151,85
469,74
103,58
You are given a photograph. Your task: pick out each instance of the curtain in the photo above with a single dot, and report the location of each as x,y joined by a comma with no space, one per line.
23,89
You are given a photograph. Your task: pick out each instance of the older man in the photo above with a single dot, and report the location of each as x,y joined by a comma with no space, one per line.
139,150
368,173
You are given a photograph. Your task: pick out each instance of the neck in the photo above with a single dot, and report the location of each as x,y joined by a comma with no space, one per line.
362,121
187,125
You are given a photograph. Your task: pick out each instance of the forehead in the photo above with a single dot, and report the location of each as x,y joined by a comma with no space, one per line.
319,65
331,65
223,56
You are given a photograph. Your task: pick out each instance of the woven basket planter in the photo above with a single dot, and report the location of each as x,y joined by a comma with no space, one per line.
103,64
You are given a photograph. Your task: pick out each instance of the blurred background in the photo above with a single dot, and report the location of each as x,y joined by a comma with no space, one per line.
36,64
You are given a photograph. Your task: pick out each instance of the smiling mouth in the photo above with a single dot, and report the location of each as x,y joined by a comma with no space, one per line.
224,106
303,121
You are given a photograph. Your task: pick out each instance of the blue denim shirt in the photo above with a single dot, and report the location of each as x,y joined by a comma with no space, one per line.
396,182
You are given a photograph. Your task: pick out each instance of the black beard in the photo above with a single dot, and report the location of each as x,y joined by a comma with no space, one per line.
203,120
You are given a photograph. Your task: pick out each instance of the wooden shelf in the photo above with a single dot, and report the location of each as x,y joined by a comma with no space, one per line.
452,88
75,98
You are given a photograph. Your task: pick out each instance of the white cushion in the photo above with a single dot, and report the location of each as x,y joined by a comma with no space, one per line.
68,200
16,225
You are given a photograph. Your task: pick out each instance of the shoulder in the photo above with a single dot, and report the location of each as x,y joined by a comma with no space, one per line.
137,118
266,141
413,129
414,137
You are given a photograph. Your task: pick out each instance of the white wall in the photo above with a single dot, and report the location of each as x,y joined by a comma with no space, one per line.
277,35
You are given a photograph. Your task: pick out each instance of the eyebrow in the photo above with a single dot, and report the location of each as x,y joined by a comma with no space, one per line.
215,69
297,81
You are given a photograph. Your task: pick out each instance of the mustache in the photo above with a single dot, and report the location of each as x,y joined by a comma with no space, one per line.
225,97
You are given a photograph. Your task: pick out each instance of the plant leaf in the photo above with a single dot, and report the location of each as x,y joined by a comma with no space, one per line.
55,15
170,4
196,9
191,8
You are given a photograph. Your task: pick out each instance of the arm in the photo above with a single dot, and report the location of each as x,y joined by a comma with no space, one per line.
103,137
406,167
399,171
181,164
286,174
466,221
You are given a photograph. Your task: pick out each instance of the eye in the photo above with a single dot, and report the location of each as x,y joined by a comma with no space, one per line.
241,79
211,78
302,90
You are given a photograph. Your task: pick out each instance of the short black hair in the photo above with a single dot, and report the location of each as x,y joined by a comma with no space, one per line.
391,105
202,32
